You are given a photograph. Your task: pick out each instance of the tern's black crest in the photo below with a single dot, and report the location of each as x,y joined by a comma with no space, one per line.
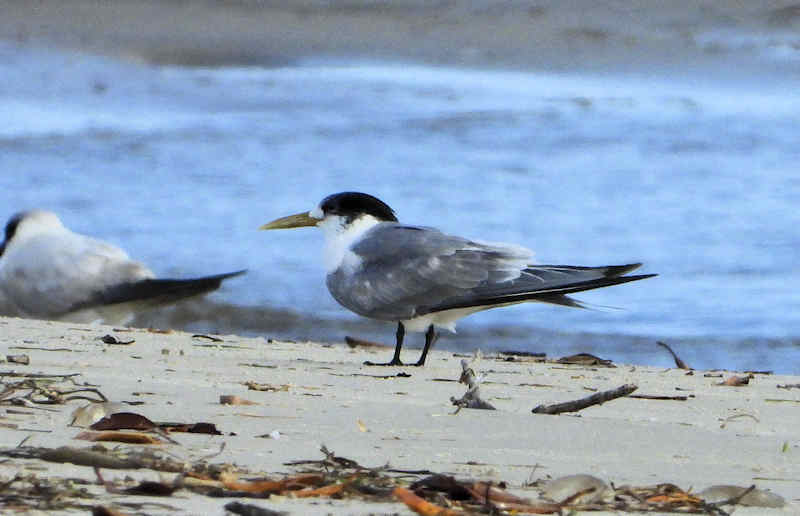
11,229
352,204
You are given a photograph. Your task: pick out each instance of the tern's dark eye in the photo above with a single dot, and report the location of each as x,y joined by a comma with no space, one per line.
353,204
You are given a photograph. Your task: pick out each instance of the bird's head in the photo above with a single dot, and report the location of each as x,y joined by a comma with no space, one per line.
28,223
339,210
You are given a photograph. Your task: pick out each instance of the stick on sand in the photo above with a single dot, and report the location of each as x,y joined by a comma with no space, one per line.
595,399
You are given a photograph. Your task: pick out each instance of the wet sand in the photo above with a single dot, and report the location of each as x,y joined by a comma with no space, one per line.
578,35
718,435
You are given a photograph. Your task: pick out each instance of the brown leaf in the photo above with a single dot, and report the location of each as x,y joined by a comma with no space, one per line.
275,486
585,359
204,428
192,428
737,381
421,506
123,421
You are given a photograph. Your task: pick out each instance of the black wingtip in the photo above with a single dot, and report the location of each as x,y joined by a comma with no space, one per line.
155,292
619,270
221,277
556,295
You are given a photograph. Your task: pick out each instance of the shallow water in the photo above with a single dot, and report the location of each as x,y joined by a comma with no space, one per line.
695,177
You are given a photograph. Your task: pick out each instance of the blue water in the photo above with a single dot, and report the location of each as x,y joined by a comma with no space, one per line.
698,178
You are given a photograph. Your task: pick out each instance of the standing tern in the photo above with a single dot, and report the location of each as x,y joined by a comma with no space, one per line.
50,272
422,278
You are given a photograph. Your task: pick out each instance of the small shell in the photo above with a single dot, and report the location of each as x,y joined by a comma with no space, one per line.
755,498
89,414
564,488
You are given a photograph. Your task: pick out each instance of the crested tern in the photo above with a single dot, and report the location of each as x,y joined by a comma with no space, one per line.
424,279
50,272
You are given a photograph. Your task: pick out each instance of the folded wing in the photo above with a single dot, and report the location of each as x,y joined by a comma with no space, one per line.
400,272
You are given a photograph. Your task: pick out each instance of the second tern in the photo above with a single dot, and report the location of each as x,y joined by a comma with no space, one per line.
50,272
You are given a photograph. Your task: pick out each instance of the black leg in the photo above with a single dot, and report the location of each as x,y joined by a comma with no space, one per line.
401,332
430,338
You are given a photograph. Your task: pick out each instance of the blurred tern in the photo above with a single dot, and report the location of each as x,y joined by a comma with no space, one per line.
422,278
49,272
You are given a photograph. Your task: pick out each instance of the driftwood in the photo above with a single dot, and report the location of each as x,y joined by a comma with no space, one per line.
595,399
470,399
680,364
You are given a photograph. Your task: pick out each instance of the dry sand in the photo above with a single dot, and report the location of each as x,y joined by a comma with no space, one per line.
719,435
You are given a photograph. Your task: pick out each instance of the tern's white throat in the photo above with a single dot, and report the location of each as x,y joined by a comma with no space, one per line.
340,234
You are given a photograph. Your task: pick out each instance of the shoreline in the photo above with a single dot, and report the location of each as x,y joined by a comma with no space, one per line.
323,395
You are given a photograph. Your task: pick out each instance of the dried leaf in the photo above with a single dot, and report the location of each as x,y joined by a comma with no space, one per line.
124,421
737,381
192,428
585,359
100,510
121,437
446,484
274,486
421,506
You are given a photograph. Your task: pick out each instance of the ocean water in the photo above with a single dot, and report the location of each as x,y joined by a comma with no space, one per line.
696,177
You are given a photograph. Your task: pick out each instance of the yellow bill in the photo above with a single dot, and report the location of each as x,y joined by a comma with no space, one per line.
297,220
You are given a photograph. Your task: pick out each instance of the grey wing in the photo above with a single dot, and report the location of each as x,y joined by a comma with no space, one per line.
403,271
49,277
545,278
544,283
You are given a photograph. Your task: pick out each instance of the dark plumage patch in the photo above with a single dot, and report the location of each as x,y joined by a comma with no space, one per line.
11,229
351,205
156,292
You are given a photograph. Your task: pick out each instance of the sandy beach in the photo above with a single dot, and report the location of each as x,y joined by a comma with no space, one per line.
320,394
687,428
